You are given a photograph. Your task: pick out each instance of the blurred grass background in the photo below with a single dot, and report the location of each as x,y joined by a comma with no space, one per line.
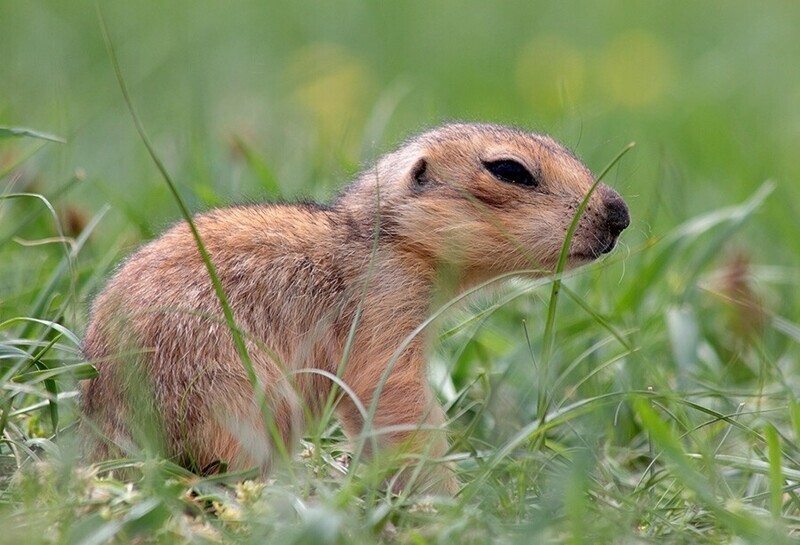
709,92
251,101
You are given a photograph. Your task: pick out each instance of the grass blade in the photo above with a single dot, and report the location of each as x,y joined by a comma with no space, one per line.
775,470
238,338
549,326
18,132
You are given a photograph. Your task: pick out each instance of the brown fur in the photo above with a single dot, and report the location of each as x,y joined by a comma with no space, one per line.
294,276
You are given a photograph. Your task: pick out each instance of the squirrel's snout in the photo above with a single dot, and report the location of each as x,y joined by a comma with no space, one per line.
617,220
617,216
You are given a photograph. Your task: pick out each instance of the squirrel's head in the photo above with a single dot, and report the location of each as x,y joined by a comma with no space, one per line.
488,199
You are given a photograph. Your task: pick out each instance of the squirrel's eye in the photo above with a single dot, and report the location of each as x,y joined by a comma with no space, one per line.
510,171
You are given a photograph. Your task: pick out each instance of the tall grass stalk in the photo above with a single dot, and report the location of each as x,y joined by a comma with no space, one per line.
259,389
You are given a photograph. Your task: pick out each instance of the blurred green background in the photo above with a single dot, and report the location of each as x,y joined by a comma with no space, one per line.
709,91
252,101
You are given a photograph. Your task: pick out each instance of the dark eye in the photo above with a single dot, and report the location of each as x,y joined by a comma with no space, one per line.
512,172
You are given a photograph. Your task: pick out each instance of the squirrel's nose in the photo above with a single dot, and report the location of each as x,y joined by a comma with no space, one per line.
617,216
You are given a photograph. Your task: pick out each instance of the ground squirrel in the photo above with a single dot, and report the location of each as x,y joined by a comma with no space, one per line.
479,199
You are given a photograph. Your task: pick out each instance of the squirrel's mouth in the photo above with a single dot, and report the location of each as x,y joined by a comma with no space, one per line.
607,228
593,252
580,258
608,247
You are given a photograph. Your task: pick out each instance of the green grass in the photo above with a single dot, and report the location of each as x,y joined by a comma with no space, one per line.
654,400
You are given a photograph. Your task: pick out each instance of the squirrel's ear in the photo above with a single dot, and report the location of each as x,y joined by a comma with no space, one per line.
419,175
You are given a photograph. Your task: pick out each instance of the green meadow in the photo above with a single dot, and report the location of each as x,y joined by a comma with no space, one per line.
651,397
